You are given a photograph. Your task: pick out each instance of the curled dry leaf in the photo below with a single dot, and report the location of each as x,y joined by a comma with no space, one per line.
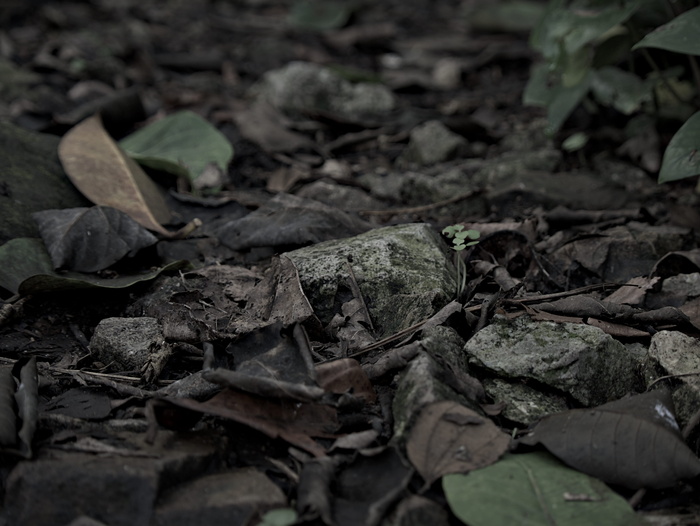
107,176
450,438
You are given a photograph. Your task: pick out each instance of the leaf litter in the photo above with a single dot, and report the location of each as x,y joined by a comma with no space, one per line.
305,406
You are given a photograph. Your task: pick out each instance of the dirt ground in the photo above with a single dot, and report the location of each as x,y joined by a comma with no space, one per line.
117,443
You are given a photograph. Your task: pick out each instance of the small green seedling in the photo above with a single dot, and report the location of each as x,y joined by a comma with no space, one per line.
461,239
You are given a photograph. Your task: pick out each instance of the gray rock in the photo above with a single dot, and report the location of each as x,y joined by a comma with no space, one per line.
679,354
127,343
306,89
524,405
439,372
432,142
404,273
219,500
683,284
418,387
119,490
579,360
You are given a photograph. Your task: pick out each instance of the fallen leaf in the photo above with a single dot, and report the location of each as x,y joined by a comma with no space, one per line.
634,442
26,268
450,438
289,420
533,489
107,176
182,143
264,125
343,376
90,239
289,220
19,399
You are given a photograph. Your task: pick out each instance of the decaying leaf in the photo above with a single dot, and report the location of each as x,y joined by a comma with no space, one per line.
289,420
450,438
272,361
364,490
19,400
107,176
343,376
634,442
90,239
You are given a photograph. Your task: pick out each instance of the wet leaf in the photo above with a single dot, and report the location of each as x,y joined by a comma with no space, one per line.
534,489
107,176
679,35
90,239
681,158
182,144
450,438
633,442
26,268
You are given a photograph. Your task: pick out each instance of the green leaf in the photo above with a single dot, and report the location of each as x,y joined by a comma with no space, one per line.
565,29
563,101
26,268
533,489
183,144
575,142
320,15
682,34
452,230
681,158
279,517
620,89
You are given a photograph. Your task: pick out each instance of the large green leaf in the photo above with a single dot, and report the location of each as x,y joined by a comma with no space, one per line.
682,34
565,28
620,89
26,268
183,144
533,489
681,158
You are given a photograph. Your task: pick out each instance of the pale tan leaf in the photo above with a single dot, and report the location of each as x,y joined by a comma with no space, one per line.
107,176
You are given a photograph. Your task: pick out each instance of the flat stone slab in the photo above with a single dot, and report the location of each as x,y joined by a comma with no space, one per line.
404,272
579,360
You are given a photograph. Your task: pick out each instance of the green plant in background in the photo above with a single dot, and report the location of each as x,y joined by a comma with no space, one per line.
461,239
589,49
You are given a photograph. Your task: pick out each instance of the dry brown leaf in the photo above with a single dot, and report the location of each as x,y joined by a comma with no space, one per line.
450,438
289,420
107,176
346,375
